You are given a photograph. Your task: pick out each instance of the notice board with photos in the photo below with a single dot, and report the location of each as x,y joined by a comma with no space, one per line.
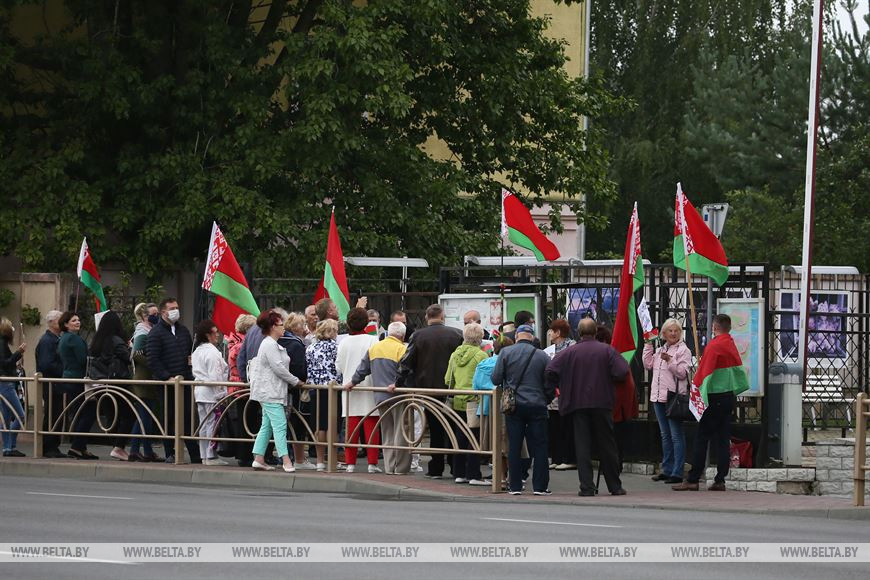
492,314
747,330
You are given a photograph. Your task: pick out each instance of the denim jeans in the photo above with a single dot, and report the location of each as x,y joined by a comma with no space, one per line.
529,423
12,411
673,442
147,421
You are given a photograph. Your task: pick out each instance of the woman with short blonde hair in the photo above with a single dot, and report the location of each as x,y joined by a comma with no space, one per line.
670,366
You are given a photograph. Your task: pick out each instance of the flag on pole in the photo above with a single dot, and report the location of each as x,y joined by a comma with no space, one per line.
625,329
694,239
88,275
224,278
334,281
517,224
720,371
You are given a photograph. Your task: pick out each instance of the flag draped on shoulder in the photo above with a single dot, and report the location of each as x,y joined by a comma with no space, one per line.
90,277
224,278
694,240
720,371
517,224
334,281
631,280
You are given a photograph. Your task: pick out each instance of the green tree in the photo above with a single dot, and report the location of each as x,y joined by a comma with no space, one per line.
645,51
139,123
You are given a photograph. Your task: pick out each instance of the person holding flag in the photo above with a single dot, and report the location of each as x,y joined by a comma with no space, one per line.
720,378
669,364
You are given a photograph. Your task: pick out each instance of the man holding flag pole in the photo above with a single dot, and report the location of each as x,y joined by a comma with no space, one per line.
720,376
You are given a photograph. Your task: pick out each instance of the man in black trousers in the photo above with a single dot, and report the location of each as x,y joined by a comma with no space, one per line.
49,364
586,374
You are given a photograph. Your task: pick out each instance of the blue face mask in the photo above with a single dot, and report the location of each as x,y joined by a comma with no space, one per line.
153,319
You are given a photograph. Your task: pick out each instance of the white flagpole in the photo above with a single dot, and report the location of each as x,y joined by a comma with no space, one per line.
810,183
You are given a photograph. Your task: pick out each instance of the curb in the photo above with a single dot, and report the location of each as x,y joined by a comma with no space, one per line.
235,478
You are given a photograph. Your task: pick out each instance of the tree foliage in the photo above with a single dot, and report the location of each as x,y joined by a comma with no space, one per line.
138,123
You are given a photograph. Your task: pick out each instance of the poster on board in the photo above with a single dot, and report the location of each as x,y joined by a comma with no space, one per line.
490,308
747,330
826,326
600,304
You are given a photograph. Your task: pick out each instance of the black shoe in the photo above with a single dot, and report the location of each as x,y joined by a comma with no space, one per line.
170,459
659,477
544,492
13,453
587,493
54,454
619,491
673,479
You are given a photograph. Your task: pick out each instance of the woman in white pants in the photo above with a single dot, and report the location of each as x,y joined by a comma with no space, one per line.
208,366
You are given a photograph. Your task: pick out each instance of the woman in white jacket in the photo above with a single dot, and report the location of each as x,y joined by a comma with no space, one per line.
269,376
208,366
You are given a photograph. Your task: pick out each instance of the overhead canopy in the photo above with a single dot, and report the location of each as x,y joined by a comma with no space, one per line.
842,270
387,262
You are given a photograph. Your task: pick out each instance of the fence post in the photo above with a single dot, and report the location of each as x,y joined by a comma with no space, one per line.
495,435
179,420
860,449
37,414
332,428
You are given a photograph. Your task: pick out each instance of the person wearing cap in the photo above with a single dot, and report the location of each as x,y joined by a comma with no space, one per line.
521,367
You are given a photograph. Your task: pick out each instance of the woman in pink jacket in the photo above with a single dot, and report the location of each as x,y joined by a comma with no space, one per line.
670,366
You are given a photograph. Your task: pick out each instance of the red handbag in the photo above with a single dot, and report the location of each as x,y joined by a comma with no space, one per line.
741,453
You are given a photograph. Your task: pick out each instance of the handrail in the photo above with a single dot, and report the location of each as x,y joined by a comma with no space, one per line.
421,399
862,415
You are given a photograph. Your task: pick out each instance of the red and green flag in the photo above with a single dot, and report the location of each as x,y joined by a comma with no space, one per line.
90,277
224,278
720,371
517,224
334,281
632,279
693,239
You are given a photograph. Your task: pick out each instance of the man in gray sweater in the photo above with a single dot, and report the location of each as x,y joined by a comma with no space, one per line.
521,367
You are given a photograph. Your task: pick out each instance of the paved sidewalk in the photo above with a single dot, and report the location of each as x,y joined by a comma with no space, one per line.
642,492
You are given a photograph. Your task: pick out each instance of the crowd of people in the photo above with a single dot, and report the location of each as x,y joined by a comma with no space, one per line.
560,404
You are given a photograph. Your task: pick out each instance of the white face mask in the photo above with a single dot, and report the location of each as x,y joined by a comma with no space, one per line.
173,315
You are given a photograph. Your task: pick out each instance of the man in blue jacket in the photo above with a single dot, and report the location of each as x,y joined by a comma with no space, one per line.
49,364
169,348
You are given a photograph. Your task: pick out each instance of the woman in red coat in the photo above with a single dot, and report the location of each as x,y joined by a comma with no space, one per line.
625,406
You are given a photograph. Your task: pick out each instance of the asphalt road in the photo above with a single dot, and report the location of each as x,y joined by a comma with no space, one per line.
45,510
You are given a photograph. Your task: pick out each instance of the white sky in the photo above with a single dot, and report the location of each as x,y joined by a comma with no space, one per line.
860,13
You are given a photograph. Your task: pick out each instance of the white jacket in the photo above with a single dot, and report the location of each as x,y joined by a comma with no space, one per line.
209,366
269,373
351,352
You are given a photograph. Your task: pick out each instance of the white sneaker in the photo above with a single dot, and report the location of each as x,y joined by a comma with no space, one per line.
375,469
321,467
418,469
460,480
119,454
261,466
214,461
350,468
480,482
305,465
288,468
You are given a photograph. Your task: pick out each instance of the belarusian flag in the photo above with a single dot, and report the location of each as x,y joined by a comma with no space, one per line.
625,329
87,272
720,371
517,224
692,237
334,281
224,278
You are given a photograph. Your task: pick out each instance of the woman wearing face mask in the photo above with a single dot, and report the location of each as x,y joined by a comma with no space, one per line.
670,366
147,316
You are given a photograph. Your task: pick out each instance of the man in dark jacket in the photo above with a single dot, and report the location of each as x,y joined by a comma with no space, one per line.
169,348
521,367
586,374
426,361
49,364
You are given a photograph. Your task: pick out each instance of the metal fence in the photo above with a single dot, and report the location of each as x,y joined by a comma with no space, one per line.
118,410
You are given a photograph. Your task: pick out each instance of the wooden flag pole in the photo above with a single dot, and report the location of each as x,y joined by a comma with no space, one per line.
692,310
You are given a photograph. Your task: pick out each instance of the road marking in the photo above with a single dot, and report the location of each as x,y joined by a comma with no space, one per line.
552,523
73,495
73,558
